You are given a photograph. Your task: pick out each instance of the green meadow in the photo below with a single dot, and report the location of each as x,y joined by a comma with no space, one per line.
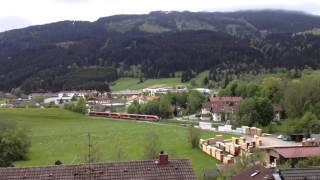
62,135
133,83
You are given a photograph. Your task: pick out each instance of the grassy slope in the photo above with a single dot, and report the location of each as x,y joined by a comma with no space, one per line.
132,83
199,78
59,134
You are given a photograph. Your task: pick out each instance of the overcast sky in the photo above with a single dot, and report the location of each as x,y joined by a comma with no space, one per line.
22,13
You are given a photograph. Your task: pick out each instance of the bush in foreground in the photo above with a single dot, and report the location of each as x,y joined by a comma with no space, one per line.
14,143
194,136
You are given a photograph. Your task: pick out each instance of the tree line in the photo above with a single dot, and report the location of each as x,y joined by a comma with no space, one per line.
170,105
296,91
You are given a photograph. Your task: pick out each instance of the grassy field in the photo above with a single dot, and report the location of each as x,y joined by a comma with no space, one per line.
61,135
133,83
199,78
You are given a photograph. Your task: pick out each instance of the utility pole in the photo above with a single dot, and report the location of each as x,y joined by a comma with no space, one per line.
89,154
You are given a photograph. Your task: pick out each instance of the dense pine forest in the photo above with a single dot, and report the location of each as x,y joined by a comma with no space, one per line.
90,55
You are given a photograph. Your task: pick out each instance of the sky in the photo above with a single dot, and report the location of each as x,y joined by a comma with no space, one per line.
21,13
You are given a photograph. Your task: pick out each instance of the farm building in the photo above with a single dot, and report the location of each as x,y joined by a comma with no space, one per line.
142,99
126,93
282,154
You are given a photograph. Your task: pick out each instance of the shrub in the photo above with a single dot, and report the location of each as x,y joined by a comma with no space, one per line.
152,146
58,162
194,137
14,143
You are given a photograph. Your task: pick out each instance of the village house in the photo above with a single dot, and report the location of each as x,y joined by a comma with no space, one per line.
100,99
161,169
204,91
4,104
219,108
22,103
98,108
124,94
222,109
107,102
60,98
133,98
142,99
178,89
278,110
41,95
65,96
98,103
155,91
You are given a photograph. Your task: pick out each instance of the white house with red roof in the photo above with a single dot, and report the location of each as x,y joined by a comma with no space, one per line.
219,108
223,108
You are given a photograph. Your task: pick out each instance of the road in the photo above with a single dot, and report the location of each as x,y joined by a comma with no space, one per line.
273,141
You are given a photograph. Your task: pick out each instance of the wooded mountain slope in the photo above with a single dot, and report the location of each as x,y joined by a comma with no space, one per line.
158,44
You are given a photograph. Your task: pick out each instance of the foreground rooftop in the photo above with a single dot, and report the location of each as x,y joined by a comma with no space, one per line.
142,170
300,173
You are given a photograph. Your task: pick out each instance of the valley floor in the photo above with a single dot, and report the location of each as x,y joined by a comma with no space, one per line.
61,135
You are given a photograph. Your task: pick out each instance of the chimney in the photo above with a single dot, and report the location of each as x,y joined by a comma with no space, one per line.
163,158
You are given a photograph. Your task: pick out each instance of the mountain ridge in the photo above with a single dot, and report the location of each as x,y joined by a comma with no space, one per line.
159,43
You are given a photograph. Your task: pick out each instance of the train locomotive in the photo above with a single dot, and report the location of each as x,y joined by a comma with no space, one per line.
139,117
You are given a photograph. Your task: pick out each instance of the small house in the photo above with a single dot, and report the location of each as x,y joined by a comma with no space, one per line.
220,108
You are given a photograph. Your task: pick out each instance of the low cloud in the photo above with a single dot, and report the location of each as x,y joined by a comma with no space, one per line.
45,11
8,23
72,1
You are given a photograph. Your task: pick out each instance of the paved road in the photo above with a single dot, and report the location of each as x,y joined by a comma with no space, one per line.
273,141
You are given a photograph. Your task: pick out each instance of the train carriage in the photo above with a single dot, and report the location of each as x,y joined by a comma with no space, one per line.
140,117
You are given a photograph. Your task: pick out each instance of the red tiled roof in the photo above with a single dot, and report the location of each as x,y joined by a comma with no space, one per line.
142,170
206,105
277,107
259,171
133,98
298,152
221,107
222,104
150,98
102,98
226,99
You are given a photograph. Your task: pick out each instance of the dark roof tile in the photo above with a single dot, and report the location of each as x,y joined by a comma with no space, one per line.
176,169
300,173
257,172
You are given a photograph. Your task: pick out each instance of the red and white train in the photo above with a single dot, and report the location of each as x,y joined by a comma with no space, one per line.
140,117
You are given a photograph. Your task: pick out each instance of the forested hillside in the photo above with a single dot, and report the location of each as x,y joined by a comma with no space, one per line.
86,55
